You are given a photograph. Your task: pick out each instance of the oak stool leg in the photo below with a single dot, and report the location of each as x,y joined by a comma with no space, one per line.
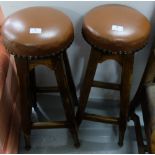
66,98
23,74
88,80
70,79
33,88
127,68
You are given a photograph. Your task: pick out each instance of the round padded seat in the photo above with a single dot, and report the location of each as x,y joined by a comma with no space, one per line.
116,28
37,31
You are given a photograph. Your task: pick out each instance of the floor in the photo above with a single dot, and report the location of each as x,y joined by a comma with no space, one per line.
95,138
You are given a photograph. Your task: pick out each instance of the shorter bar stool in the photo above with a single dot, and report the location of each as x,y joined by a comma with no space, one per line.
40,36
114,32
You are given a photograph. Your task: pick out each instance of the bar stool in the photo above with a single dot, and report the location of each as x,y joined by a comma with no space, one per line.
144,98
114,32
40,36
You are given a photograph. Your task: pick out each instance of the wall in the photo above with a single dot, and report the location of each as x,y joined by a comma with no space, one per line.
79,50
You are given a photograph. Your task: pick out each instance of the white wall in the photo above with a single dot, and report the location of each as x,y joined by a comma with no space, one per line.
79,50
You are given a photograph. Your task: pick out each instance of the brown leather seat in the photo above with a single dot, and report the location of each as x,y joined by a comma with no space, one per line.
37,31
116,28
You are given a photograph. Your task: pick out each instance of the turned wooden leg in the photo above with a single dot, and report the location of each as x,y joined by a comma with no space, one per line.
33,88
23,74
66,98
87,83
139,135
135,102
127,69
70,79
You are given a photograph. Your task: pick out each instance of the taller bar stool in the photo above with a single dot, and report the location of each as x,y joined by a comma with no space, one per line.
114,32
40,36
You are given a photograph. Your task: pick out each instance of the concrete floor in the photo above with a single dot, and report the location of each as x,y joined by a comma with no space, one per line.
95,138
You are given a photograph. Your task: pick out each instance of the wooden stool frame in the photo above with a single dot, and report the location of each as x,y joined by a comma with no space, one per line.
126,62
60,64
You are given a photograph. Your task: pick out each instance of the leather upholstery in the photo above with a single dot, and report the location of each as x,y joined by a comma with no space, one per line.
98,23
56,32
